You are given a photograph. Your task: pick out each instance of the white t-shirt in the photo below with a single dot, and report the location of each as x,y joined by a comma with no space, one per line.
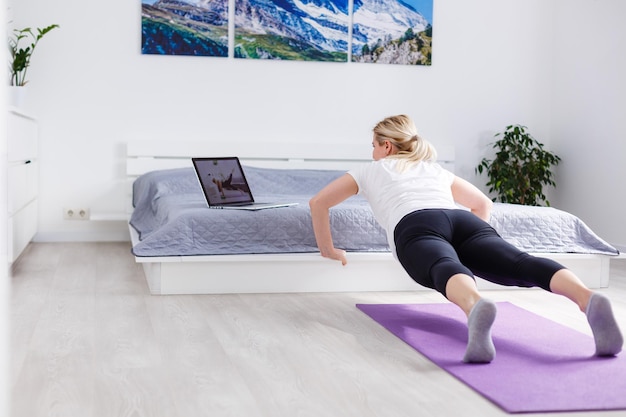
393,194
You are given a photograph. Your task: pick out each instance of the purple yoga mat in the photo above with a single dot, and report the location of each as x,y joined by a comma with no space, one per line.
540,365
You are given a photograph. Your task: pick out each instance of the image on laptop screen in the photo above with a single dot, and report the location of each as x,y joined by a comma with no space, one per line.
223,181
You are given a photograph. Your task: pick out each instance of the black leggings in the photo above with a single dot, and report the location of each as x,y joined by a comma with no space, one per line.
434,245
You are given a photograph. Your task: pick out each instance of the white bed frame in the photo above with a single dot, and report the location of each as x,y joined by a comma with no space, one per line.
280,273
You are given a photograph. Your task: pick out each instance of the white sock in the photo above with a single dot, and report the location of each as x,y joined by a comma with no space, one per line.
480,348
606,333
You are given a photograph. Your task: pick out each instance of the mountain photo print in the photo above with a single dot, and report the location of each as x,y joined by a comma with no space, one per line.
189,27
392,31
305,30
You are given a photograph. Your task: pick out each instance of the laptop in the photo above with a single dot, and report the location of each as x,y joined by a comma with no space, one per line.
225,186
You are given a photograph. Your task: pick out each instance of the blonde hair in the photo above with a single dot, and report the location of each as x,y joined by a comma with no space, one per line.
402,133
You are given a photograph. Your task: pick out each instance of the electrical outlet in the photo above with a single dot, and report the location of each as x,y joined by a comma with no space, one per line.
76,213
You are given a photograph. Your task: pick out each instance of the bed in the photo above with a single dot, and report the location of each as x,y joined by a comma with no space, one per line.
186,248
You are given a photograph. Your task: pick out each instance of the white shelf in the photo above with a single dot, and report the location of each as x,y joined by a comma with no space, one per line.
22,181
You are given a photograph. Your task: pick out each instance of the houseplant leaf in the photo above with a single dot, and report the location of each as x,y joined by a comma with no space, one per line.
19,57
520,169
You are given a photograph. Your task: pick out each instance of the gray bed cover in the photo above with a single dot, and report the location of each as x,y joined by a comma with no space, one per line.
172,218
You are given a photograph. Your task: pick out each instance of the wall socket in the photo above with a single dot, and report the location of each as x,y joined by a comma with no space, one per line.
76,213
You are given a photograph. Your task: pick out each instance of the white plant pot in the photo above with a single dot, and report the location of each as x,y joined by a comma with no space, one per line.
16,96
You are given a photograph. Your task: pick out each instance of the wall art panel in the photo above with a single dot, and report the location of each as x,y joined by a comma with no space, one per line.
190,27
392,31
307,30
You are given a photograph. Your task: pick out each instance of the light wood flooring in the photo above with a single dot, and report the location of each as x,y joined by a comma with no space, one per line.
87,340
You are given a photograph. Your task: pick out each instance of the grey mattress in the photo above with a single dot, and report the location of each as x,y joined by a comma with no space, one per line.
172,218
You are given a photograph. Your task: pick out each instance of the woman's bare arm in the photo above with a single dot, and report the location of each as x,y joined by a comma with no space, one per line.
329,196
466,194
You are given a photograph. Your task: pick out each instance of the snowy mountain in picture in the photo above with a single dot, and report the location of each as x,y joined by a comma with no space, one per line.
292,29
383,31
377,19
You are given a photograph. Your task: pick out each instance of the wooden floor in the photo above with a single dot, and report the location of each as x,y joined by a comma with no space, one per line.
88,340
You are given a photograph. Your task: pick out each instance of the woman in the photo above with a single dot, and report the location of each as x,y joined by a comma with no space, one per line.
441,245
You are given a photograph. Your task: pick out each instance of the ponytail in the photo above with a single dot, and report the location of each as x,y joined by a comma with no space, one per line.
402,133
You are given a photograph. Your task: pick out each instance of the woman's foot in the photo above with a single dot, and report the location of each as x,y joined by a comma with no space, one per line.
606,333
480,348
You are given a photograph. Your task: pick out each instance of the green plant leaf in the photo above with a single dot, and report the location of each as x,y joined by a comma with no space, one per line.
520,169
20,57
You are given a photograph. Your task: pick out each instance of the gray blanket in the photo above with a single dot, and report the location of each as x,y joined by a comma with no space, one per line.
172,218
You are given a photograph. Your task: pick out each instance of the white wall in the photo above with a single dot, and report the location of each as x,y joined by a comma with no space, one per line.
589,109
91,90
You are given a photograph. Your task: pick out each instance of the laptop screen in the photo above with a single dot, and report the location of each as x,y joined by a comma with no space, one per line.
223,181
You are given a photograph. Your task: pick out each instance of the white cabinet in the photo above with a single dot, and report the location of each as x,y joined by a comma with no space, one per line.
22,182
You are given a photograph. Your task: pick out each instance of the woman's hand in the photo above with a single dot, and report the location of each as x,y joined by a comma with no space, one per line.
336,255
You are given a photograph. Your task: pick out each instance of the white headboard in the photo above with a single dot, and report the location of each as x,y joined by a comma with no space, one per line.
147,155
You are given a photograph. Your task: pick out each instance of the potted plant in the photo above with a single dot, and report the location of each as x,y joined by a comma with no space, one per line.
520,169
20,57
